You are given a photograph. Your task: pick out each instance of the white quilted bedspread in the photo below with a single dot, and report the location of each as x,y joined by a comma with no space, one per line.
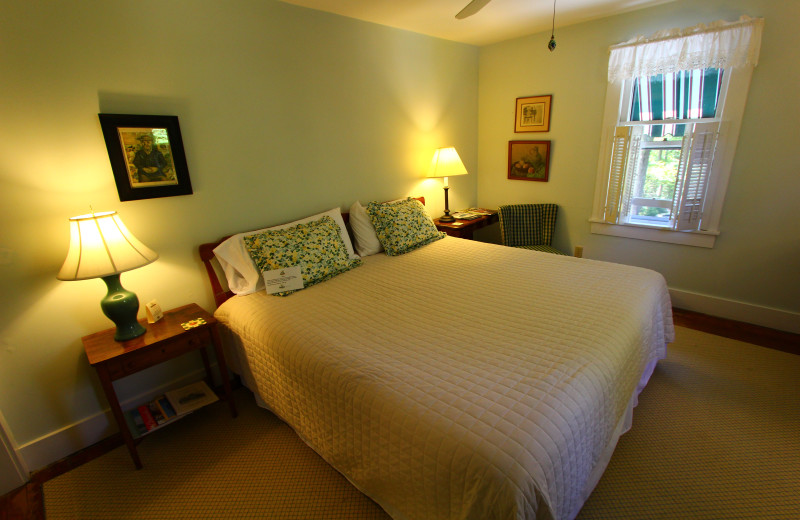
461,380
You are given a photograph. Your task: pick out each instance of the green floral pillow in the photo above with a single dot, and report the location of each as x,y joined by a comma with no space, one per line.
402,226
315,246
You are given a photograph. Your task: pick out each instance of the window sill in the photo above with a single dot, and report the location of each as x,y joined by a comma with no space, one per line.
687,238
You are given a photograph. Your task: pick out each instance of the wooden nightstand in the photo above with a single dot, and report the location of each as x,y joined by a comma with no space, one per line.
164,340
465,228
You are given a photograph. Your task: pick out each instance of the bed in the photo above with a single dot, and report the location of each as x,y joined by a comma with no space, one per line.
457,379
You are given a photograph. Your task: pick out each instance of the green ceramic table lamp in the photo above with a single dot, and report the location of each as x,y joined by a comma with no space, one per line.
102,247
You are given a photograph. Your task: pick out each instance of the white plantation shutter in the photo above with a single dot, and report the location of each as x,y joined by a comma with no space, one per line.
616,175
631,170
682,168
624,152
695,165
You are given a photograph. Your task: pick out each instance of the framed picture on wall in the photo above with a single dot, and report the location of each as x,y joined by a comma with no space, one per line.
529,160
147,156
533,114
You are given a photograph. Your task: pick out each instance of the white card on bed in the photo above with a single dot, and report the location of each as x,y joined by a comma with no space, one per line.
284,279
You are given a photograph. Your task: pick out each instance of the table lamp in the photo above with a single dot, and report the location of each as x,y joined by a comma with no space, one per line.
102,247
446,163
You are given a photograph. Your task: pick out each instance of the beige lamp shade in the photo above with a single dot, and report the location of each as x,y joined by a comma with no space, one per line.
446,163
101,245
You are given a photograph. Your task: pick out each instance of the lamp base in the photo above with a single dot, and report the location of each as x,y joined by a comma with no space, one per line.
446,217
121,306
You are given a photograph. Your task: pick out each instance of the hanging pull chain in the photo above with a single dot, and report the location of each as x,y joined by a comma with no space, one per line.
552,44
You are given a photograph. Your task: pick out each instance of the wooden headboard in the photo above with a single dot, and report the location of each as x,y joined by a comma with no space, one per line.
207,256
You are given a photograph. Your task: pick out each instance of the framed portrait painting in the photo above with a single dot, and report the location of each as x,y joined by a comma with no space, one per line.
147,156
529,160
533,114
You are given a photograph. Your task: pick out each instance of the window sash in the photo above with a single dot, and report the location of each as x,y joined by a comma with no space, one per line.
652,203
694,167
667,200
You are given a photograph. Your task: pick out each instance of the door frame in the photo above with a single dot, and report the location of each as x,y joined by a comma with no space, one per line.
15,473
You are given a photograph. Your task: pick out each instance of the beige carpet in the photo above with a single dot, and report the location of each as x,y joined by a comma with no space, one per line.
716,435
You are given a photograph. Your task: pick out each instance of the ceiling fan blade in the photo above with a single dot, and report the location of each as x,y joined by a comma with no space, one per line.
472,8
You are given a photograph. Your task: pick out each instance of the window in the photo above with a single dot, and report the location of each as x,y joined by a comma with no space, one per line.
657,154
673,112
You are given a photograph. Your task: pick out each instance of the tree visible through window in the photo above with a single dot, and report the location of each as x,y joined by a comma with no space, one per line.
654,186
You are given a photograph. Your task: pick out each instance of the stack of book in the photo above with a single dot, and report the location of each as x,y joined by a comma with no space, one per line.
471,213
169,406
466,215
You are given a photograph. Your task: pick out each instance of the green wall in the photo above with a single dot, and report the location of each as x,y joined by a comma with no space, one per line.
284,112
755,260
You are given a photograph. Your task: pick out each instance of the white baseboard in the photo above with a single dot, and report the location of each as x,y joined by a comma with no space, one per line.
733,310
61,443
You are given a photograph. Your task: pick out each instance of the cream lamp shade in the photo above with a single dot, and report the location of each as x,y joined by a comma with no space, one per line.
446,163
102,247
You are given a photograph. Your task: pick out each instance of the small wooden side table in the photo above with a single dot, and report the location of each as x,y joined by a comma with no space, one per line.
164,340
465,228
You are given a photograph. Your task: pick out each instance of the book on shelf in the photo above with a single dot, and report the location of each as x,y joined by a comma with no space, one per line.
135,422
150,416
147,417
166,407
191,397
155,412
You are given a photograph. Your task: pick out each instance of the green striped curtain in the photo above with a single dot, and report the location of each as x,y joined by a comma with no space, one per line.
686,94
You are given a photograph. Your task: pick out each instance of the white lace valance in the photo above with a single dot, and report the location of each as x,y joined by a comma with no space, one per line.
719,44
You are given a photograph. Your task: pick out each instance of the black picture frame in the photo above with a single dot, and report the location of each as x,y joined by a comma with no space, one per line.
142,171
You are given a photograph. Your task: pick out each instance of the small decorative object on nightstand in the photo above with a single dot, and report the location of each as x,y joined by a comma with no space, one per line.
180,331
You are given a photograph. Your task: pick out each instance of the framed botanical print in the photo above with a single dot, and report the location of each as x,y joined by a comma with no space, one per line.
529,160
533,114
147,156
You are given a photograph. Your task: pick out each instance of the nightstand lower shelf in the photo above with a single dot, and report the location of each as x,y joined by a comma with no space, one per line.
163,340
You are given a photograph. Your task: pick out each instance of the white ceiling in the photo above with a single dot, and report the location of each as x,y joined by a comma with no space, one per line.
499,20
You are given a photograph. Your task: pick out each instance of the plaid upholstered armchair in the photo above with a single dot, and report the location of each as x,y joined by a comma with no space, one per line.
529,226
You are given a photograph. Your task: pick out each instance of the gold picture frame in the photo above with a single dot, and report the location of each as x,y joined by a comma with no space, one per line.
533,114
529,160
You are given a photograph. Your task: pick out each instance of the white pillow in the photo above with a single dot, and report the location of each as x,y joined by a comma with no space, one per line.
367,242
241,272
